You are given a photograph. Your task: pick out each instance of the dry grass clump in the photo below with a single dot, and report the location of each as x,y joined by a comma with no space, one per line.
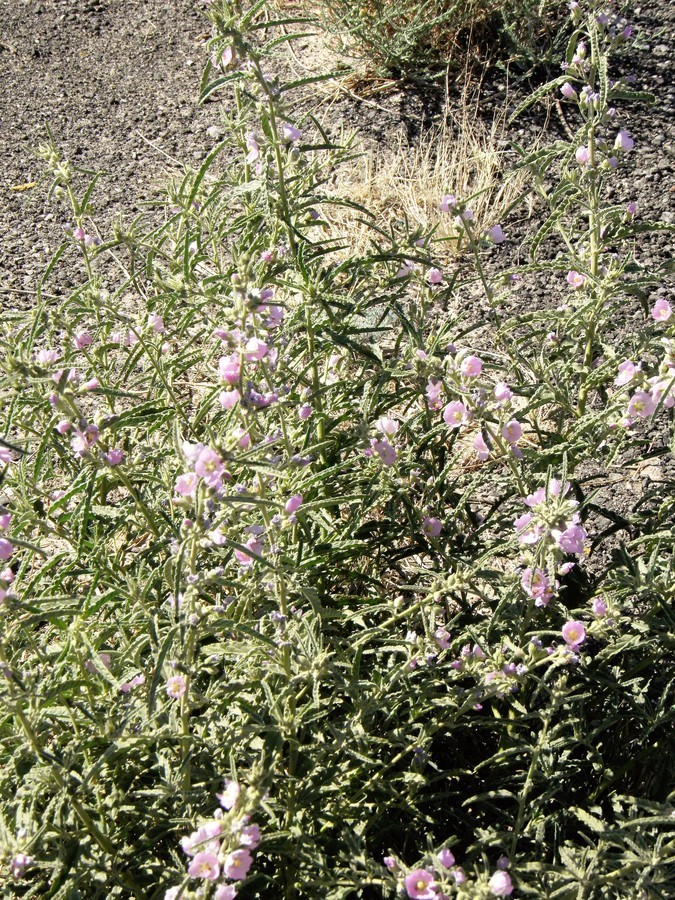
405,182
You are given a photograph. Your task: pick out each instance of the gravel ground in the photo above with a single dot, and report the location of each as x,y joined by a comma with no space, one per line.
106,76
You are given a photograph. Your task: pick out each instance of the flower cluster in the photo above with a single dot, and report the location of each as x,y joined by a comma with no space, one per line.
220,849
442,878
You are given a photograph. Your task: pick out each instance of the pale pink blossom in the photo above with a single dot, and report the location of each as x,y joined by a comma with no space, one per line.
230,795
83,339
481,448
290,132
574,634
156,322
229,399
305,412
210,467
627,371
599,607
433,392
434,276
293,504
471,366
420,885
661,311
448,203
442,638
456,414
568,91
431,526
114,456
388,427
64,426
624,141
204,865
255,350
385,451
571,540
537,585
496,234
6,549
229,368
502,392
512,431
237,864
176,687
500,884
135,682
186,484
225,892
575,279
582,156
641,404
446,858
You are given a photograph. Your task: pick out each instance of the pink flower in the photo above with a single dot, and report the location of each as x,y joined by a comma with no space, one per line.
228,799
229,368
442,638
420,884
448,203
512,431
537,585
390,863
293,504
250,836
83,339
433,392
641,404
446,859
225,892
568,91
661,311
242,437
6,549
434,276
84,440
432,527
387,426
305,412
385,451
528,531
290,132
186,485
481,448
114,457
582,156
176,686
92,385
5,519
209,466
456,414
255,547
659,390
599,607
574,634
627,370
575,279
571,540
255,350
19,864
471,367
237,864
135,682
156,323
64,426
502,392
229,399
204,865
624,141
500,884
496,234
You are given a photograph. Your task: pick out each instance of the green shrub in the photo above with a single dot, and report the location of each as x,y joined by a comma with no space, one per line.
410,38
